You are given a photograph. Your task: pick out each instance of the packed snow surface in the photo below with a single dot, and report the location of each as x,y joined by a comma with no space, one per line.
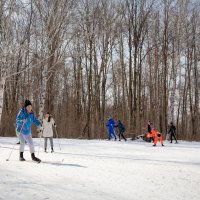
101,170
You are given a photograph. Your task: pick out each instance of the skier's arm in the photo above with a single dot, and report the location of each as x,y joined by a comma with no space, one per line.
174,130
20,121
123,127
53,122
20,118
169,130
42,126
149,135
36,121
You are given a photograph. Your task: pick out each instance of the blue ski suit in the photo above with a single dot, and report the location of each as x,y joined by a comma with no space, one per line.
110,126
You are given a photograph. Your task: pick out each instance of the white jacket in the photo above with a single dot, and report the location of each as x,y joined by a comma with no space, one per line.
48,127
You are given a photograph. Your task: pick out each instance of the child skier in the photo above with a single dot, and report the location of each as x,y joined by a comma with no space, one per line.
121,130
48,123
157,136
24,121
110,126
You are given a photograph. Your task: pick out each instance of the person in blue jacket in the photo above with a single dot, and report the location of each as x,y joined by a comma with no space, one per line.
121,129
24,121
111,128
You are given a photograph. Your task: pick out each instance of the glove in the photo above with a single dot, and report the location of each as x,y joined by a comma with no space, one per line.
17,133
38,129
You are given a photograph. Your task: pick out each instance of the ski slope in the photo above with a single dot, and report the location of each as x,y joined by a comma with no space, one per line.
102,170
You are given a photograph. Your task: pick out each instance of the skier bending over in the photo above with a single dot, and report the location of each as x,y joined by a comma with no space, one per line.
24,121
110,126
157,136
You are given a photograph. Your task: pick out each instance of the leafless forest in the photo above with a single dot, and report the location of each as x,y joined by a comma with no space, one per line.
83,60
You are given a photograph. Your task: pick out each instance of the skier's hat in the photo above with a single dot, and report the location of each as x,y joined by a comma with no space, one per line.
27,103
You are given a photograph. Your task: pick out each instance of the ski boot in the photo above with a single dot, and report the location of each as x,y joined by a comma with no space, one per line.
35,158
21,157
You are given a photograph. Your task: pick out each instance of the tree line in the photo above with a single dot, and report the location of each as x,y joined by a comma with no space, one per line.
85,60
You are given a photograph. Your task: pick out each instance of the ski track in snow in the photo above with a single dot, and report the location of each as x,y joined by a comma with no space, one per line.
99,169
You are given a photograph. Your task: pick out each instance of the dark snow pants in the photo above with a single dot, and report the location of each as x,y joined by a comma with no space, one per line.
45,142
121,134
174,136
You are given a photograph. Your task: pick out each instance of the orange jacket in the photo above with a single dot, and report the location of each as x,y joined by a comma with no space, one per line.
154,134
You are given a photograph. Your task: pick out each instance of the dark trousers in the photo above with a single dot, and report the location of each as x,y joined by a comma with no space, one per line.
151,138
174,136
45,142
121,134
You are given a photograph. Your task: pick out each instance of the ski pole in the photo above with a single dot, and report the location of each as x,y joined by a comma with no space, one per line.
11,152
14,145
57,138
41,133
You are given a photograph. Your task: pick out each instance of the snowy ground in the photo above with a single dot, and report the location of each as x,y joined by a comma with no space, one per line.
96,170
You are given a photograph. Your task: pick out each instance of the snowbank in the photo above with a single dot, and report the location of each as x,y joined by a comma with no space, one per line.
99,169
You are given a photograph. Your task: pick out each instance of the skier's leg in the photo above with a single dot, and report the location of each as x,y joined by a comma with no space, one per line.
149,140
45,144
161,140
29,140
22,142
21,149
171,137
155,141
51,142
114,135
123,136
175,138
120,134
109,135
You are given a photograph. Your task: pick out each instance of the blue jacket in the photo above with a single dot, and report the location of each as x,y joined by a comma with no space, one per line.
30,118
110,125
